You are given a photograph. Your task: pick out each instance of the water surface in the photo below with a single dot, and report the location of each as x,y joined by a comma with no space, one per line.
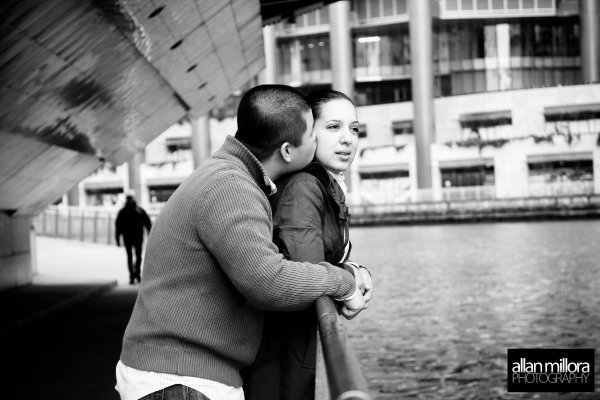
450,300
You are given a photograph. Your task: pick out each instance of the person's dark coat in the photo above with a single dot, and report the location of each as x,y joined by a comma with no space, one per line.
131,222
310,224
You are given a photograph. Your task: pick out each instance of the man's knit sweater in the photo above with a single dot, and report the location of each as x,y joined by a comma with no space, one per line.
211,268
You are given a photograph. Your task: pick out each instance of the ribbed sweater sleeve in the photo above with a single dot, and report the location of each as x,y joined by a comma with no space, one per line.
234,222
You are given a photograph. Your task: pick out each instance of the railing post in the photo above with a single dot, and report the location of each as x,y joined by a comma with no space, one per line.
95,234
56,222
44,221
82,224
108,228
68,223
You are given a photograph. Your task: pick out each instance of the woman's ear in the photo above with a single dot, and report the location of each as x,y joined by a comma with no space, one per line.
286,152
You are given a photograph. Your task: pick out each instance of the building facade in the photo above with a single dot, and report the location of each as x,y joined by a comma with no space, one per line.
486,98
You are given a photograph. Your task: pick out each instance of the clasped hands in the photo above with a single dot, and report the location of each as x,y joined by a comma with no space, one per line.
364,288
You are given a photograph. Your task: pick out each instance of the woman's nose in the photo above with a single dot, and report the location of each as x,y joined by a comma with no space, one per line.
346,136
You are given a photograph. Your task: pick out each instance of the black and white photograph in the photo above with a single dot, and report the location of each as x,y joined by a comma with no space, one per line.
300,199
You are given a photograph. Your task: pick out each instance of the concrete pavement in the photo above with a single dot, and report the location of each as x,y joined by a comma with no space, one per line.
61,336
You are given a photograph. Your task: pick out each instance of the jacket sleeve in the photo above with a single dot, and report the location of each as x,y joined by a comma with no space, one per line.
119,225
147,222
235,224
298,217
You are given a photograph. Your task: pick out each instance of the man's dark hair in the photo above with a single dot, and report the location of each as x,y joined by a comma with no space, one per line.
317,98
270,115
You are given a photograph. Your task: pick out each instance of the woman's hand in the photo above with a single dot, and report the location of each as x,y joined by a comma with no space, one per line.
363,280
354,305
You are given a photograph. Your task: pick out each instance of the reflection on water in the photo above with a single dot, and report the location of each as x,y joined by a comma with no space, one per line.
450,299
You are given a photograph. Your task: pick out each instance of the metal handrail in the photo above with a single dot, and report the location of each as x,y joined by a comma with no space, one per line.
344,376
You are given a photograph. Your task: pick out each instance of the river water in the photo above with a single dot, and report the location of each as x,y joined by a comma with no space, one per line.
450,300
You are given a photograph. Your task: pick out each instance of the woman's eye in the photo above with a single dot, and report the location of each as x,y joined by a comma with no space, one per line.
333,126
355,129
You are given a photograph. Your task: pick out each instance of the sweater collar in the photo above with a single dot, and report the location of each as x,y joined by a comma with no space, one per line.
233,148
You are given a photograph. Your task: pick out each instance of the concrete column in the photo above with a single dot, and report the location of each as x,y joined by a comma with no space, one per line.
134,182
16,264
201,149
33,249
73,196
340,39
590,40
421,37
82,196
340,43
270,45
143,198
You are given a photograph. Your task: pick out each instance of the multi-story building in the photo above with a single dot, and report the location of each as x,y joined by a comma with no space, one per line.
506,94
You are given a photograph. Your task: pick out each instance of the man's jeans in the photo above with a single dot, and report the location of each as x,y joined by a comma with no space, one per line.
176,392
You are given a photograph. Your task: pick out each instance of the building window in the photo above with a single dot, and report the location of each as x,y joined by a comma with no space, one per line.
383,174
367,93
305,60
496,8
488,55
479,175
161,193
316,58
382,52
362,130
486,126
572,120
368,10
389,186
402,127
106,197
175,144
316,17
561,177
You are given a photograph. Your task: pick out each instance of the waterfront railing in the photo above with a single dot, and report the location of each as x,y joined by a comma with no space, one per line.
96,224
339,375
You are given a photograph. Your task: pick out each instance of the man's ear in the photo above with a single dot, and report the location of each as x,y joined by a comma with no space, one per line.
286,152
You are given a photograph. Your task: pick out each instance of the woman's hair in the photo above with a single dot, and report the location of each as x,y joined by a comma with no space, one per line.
317,98
270,115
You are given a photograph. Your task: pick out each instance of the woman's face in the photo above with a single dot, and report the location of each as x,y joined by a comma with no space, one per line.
336,131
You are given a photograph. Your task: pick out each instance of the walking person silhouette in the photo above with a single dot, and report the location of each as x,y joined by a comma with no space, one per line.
130,224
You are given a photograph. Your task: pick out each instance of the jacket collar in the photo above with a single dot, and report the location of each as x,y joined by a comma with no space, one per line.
331,186
235,150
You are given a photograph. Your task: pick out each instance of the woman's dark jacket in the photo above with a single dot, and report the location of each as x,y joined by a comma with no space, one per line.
310,221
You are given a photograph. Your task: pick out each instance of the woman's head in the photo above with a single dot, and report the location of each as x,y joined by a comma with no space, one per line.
336,129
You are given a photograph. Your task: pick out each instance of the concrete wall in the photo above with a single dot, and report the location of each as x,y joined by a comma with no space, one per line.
16,266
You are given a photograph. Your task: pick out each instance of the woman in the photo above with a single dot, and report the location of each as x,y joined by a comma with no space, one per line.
310,224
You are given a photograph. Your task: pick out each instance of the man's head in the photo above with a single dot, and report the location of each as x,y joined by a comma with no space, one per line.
130,198
276,121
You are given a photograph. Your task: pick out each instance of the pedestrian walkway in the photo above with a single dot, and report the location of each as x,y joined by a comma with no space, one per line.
68,272
72,261
61,335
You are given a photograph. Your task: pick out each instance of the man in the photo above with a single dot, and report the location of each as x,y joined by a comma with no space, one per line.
130,224
211,265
